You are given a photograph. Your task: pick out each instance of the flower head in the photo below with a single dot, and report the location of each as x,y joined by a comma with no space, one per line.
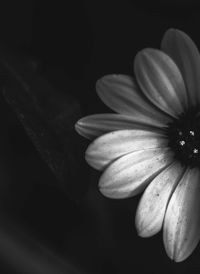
152,142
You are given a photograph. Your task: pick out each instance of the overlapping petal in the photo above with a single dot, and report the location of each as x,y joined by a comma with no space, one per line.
184,52
161,81
152,206
113,145
95,125
131,173
182,220
122,94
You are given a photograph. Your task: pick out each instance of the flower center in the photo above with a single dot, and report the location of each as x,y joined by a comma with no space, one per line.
184,138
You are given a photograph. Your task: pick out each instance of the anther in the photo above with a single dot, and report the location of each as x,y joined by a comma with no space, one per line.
195,150
183,136
182,142
191,132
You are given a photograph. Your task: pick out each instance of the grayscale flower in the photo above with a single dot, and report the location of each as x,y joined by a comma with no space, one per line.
152,142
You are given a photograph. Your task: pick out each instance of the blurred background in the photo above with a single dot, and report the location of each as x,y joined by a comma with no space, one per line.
51,225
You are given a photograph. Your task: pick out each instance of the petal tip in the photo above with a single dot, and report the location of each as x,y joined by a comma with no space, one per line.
175,252
144,54
106,192
181,255
101,86
170,30
77,127
103,80
112,192
90,159
142,231
80,128
141,53
139,226
176,257
173,30
176,34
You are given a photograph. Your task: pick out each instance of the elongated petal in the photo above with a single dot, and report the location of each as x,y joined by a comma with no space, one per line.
184,52
122,94
96,125
115,144
161,81
131,173
182,220
152,206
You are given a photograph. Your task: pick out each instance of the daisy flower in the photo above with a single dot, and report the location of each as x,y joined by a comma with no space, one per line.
152,142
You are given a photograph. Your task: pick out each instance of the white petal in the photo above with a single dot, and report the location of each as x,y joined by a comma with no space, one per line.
113,145
98,124
122,94
184,52
131,173
161,81
182,220
152,206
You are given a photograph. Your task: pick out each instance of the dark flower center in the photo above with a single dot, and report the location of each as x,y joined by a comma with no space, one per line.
184,138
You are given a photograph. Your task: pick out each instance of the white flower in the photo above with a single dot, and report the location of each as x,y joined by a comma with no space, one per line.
153,141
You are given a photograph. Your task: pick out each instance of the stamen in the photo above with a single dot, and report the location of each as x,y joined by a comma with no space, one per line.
195,150
182,142
184,138
191,132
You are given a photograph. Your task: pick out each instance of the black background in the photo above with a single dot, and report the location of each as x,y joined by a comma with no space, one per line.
73,43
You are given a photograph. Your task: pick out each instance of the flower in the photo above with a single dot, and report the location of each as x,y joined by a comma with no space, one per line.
152,142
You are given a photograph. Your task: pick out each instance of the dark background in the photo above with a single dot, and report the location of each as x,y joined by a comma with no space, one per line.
43,228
